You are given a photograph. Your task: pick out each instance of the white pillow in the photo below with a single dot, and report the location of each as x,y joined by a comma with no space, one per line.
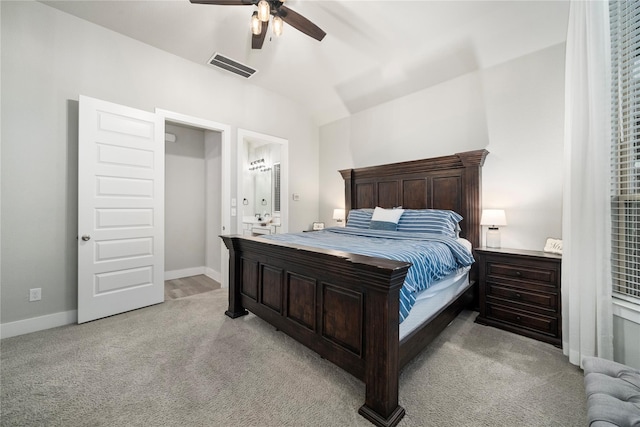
385,219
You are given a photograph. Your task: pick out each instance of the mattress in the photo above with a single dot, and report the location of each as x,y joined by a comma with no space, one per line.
431,300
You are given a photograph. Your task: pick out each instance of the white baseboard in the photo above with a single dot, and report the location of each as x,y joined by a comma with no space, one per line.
212,274
35,324
194,271
185,272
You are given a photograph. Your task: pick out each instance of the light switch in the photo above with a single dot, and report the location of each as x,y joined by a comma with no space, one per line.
296,197
234,202
233,211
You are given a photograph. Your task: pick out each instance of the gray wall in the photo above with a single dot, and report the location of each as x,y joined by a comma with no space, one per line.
626,345
48,59
193,192
184,211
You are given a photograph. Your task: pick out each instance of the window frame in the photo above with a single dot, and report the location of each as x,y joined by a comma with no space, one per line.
625,157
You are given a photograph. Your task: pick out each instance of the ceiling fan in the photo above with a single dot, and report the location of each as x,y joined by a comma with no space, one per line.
260,19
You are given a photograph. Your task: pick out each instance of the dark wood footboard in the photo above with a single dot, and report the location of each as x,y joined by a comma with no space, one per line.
342,306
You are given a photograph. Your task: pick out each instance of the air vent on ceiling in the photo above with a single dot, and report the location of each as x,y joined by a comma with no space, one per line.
230,65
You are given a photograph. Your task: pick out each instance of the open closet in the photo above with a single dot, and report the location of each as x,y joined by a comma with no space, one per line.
193,194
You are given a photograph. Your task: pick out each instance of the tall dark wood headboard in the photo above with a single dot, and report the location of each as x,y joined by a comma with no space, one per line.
448,182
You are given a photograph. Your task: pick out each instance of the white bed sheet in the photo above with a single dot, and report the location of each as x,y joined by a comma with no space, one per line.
432,299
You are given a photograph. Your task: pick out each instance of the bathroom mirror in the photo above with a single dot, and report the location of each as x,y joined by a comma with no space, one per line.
267,189
261,162
263,185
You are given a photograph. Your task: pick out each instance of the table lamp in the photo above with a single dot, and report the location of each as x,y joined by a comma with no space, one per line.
493,218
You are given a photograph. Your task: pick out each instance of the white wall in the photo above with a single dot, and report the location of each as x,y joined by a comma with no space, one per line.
514,110
185,235
48,59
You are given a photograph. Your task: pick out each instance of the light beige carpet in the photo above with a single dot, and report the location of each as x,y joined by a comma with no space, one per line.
183,363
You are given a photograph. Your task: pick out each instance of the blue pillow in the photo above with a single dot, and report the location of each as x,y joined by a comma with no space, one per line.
385,219
359,218
434,221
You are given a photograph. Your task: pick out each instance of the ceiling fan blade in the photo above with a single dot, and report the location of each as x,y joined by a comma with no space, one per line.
300,23
258,41
224,2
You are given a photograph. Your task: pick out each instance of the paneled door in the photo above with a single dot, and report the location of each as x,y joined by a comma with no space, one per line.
120,209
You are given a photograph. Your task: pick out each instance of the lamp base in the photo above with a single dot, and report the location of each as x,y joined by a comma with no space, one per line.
493,238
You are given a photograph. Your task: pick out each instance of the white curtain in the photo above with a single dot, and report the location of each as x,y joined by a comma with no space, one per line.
587,320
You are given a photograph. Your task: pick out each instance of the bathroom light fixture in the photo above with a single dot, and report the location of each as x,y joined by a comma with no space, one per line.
259,165
493,218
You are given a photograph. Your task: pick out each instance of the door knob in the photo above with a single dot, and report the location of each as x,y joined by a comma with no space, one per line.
86,237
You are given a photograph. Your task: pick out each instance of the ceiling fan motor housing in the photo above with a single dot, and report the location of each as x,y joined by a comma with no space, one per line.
275,8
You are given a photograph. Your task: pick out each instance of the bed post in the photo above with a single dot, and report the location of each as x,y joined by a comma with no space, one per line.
472,161
382,355
235,304
347,175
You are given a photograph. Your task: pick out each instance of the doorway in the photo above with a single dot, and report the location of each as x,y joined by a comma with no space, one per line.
263,183
121,191
199,212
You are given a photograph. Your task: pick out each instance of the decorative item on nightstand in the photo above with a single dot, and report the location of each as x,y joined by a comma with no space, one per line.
493,218
553,246
338,215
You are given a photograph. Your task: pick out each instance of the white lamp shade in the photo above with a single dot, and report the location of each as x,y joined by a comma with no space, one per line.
277,25
256,24
493,217
338,214
264,10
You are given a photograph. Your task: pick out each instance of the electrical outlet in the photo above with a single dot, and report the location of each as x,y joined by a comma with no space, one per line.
35,294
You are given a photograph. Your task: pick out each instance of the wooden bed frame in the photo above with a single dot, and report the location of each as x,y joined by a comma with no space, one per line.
344,306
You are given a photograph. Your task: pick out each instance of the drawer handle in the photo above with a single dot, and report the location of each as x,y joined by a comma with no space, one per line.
518,295
518,318
518,274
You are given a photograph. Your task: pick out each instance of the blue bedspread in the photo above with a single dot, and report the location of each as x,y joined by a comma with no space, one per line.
432,256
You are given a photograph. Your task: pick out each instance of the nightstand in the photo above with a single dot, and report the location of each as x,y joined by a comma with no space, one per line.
519,292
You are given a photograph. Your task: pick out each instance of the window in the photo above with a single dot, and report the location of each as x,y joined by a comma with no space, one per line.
625,149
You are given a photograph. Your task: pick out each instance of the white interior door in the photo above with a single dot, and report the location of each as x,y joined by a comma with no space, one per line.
120,209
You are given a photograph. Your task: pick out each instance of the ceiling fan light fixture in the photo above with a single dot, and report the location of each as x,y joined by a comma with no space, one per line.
264,10
278,25
256,24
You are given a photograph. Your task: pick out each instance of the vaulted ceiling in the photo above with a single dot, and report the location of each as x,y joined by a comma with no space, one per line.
374,51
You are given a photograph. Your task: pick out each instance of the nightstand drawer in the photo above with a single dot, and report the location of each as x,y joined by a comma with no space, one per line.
542,275
519,291
547,325
543,300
